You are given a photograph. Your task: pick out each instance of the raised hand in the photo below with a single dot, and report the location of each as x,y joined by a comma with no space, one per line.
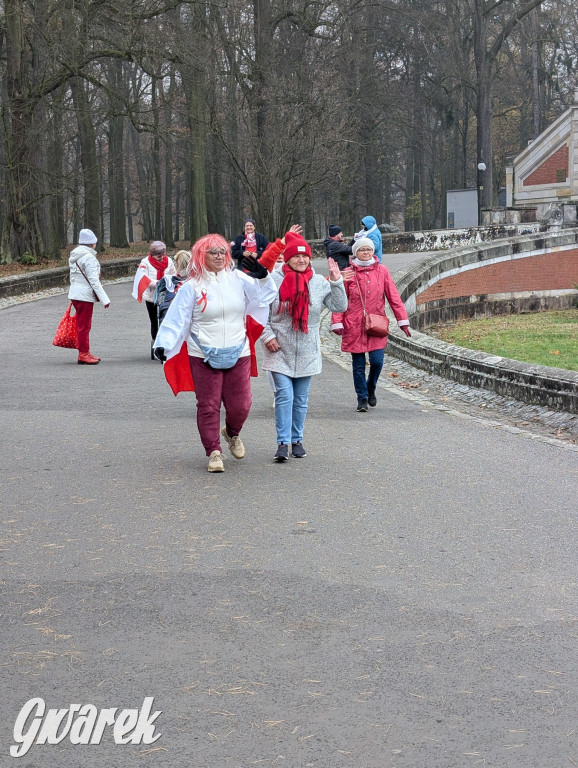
297,228
334,273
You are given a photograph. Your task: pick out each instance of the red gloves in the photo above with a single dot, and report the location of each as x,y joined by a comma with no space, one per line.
405,329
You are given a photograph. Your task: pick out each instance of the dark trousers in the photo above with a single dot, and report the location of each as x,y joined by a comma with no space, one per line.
153,317
84,311
232,387
364,387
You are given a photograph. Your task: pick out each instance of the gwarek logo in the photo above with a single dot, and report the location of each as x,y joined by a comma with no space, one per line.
82,724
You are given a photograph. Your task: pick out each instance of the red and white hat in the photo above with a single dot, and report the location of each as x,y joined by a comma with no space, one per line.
295,245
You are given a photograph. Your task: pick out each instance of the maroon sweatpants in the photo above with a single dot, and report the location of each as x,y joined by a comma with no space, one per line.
83,323
231,387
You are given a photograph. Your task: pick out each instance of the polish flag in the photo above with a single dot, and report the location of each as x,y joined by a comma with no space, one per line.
141,283
178,371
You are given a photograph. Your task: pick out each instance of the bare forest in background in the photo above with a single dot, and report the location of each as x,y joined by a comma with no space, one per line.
155,119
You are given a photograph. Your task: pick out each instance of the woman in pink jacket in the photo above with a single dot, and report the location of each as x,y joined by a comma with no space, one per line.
367,284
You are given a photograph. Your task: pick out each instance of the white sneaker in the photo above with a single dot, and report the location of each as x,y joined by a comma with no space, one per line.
215,462
235,444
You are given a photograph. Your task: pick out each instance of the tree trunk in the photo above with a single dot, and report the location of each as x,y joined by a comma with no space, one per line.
168,207
178,212
88,159
147,228
483,109
115,159
262,31
485,53
22,232
55,170
157,233
193,78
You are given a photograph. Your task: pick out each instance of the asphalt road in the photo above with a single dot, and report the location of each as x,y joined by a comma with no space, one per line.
404,597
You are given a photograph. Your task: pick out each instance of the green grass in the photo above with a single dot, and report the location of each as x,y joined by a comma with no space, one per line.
543,338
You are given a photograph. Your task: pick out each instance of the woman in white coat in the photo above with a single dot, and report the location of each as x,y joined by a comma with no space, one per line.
85,289
214,320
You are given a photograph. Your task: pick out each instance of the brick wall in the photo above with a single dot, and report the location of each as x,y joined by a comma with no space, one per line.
546,173
544,272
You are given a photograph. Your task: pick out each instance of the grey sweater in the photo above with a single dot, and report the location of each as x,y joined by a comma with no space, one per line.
300,353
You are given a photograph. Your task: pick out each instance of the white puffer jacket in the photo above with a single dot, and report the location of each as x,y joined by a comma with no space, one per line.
83,289
215,310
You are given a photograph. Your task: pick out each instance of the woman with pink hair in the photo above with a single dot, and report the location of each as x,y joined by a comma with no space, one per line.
211,325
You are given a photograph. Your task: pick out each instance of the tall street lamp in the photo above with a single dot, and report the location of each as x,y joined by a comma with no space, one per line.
481,169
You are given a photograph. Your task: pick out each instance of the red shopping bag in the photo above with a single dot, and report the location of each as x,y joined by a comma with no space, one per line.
66,335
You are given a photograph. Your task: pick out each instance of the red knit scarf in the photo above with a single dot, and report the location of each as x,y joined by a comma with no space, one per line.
159,264
294,296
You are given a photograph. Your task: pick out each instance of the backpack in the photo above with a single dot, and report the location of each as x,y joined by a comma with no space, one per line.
165,292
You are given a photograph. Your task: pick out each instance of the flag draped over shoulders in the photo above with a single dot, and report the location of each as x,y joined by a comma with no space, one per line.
141,282
176,326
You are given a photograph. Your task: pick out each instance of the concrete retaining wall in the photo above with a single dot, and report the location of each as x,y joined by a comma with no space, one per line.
445,239
32,282
550,387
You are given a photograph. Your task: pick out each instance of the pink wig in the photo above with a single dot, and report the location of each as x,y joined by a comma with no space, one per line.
197,265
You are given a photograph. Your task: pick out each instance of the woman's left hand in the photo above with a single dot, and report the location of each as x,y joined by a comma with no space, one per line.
272,345
296,228
334,273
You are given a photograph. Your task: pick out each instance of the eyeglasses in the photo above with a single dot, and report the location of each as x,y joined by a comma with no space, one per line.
217,252
365,250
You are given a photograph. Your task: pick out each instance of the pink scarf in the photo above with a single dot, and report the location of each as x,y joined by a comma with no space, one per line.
250,242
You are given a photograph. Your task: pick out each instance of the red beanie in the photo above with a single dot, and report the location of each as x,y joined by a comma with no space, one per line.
295,245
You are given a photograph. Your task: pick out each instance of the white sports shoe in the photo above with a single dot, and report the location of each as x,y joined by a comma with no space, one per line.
216,462
235,444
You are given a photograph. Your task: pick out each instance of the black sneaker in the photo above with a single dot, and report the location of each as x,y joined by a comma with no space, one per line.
362,406
298,451
282,452
372,399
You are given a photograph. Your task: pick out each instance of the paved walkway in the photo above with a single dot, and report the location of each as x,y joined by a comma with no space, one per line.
404,597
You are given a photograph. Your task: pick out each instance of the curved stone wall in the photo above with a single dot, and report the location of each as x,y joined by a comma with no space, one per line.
551,387
526,273
32,282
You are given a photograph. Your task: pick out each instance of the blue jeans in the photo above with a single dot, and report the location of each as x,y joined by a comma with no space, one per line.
291,400
364,387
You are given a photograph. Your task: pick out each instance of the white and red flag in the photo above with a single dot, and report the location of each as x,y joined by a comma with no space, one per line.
175,328
141,282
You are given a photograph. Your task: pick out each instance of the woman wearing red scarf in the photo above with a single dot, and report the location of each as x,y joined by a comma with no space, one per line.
291,337
152,268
